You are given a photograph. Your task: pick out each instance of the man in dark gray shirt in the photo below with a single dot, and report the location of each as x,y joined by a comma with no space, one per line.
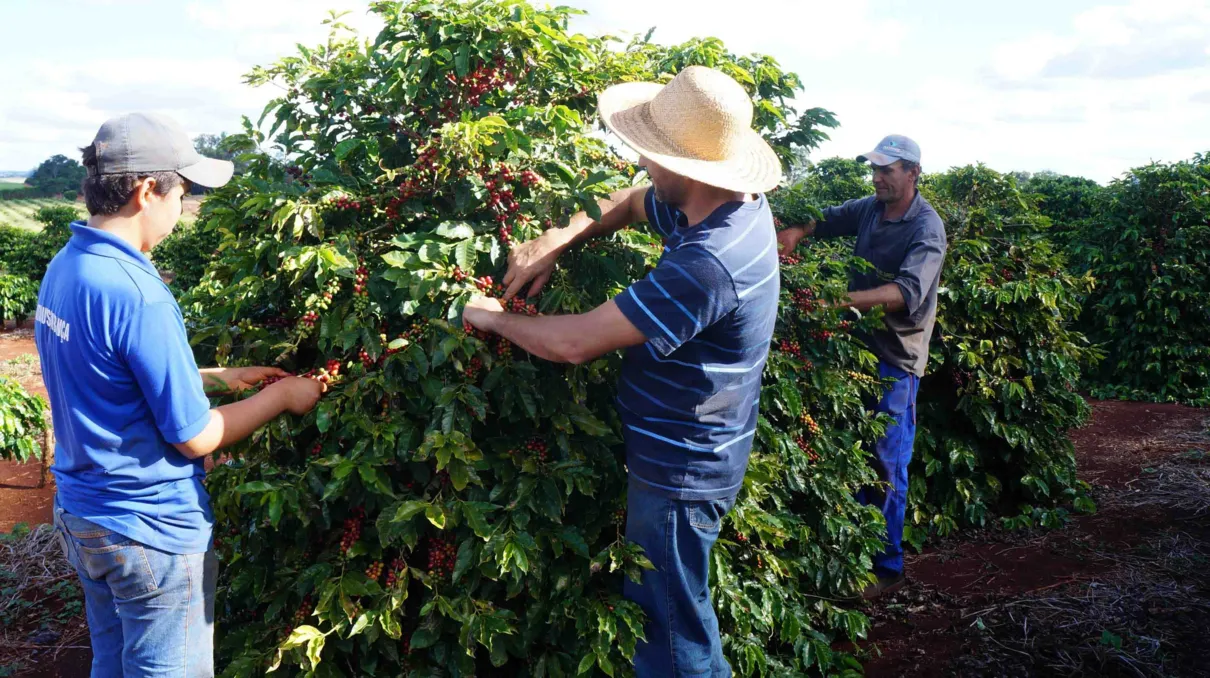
902,236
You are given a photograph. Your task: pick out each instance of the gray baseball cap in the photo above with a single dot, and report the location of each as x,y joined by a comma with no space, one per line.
141,143
892,148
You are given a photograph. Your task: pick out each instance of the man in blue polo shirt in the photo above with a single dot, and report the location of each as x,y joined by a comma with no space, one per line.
899,232
131,418
697,332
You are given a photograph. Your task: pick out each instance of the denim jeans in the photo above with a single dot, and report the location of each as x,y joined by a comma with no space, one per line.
682,629
150,613
892,455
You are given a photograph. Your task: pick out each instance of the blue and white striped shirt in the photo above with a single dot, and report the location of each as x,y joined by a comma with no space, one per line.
688,397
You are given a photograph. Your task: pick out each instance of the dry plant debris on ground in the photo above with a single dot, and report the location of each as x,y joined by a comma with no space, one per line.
41,604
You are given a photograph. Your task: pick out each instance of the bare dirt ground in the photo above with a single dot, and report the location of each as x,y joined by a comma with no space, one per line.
1123,592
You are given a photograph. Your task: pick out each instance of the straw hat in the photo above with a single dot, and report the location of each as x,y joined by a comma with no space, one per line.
699,126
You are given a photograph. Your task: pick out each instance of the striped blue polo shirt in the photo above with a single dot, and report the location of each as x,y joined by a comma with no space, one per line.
688,397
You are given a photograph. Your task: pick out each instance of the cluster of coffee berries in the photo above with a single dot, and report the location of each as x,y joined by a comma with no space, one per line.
861,378
960,379
309,319
244,325
518,305
741,537
821,335
619,517
501,199
809,421
303,611
530,178
790,260
329,374
536,447
352,530
488,286
425,165
397,566
294,171
277,322
374,571
477,83
473,369
316,450
504,348
361,293
791,347
1006,274
344,202
805,446
442,556
366,361
331,289
805,300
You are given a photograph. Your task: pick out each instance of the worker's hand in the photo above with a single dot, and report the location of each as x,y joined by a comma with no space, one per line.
788,238
531,263
297,395
480,313
243,378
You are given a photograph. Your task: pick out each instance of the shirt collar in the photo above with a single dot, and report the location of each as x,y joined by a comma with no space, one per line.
105,244
912,212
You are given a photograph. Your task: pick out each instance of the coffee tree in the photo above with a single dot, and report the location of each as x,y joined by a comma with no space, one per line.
22,422
1150,309
995,410
454,506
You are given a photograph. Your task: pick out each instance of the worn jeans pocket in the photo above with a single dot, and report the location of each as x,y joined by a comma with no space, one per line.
105,555
708,515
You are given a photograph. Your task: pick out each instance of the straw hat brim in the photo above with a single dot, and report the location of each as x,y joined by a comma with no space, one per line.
752,168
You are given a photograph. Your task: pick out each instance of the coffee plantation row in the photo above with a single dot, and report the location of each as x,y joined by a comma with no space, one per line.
455,507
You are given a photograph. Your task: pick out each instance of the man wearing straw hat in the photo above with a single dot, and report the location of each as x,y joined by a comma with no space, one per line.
696,331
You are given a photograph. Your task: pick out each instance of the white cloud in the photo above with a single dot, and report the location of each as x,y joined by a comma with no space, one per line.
1092,94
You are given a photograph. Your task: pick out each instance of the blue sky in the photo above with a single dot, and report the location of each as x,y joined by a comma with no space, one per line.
1076,86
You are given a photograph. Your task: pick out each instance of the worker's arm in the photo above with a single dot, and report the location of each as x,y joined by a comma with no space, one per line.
888,296
233,422
574,338
155,348
687,292
220,380
532,263
838,221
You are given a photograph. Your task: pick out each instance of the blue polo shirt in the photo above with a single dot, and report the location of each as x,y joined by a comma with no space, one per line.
689,396
123,387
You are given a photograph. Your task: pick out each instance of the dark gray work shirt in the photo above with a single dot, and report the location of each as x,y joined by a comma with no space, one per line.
907,252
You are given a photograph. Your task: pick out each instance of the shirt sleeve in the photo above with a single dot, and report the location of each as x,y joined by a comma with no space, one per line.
840,220
662,216
687,292
921,267
158,353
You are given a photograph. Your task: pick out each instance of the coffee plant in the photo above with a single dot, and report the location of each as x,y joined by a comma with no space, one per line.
18,298
1150,309
185,253
22,422
31,254
454,506
1000,396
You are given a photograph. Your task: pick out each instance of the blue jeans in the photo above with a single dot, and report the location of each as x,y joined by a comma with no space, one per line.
682,629
150,613
892,455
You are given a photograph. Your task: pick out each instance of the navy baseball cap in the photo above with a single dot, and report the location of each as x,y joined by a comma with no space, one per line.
142,143
893,148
